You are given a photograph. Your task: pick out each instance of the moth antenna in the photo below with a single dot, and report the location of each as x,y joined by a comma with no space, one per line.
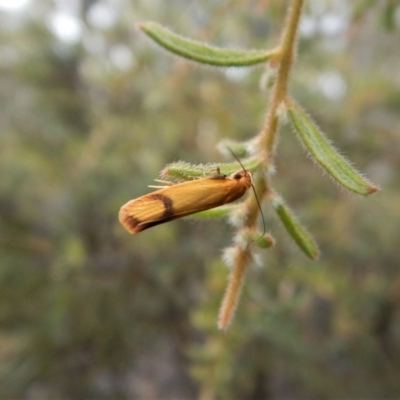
259,207
254,190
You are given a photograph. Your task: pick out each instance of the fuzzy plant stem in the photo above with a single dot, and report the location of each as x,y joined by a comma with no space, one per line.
266,141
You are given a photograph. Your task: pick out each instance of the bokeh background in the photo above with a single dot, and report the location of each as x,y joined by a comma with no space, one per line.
91,111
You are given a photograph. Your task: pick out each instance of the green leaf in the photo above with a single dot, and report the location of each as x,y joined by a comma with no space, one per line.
325,154
264,241
184,171
201,52
217,212
295,229
239,149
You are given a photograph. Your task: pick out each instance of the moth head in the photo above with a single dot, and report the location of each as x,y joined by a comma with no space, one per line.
244,177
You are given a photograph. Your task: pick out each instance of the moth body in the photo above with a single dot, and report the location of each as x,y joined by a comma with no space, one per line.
183,199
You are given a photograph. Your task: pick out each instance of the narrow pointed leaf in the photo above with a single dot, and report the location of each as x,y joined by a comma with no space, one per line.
201,52
325,154
217,212
263,241
184,171
239,149
295,229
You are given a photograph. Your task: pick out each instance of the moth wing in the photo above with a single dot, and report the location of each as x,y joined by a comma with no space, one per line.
203,194
179,201
192,197
137,212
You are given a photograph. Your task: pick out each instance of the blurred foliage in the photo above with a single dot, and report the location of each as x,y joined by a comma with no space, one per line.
87,122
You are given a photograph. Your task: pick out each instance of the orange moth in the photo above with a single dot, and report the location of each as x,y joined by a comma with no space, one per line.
182,199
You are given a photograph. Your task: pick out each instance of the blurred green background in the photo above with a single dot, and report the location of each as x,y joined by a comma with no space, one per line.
91,111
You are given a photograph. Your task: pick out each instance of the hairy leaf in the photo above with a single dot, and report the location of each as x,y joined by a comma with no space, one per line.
203,53
325,154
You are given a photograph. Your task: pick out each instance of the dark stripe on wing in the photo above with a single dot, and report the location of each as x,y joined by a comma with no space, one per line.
167,202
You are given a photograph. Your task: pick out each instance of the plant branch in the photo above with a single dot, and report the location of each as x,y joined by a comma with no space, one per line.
267,137
266,141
